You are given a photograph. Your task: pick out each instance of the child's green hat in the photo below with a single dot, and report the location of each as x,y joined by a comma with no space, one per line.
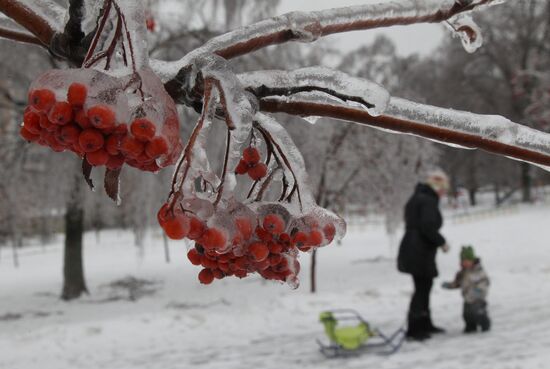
467,253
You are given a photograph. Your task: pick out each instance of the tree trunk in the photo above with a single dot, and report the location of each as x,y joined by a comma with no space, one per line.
14,250
73,269
526,182
313,288
166,248
472,194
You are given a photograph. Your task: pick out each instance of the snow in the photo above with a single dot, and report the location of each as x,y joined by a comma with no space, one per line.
253,324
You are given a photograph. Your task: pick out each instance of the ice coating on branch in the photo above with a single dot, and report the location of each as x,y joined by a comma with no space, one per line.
493,127
240,105
464,27
293,155
362,92
53,13
308,26
134,17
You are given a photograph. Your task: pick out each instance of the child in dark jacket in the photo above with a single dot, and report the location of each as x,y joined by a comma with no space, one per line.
474,283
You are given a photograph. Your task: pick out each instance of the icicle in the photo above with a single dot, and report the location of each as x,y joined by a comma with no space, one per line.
464,27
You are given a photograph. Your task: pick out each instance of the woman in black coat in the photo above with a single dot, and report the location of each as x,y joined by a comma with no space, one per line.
418,250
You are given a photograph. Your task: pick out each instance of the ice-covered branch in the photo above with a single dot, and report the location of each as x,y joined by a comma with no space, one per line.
18,36
309,26
358,91
38,17
491,133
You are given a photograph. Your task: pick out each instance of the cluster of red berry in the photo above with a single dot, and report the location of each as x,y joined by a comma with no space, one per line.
102,120
93,133
250,164
266,240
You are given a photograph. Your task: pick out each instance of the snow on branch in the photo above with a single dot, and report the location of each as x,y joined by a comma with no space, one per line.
491,133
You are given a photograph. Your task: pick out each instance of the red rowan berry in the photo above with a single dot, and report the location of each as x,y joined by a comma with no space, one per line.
121,129
97,158
315,238
274,224
150,23
206,276
69,134
102,117
300,239
281,266
28,136
42,100
251,155
164,212
275,248
115,162
91,140
241,168
156,148
77,148
151,167
258,171
76,95
213,238
61,113
176,226
131,147
245,227
224,267
241,274
44,122
31,122
241,263
143,129
194,256
197,229
275,259
330,231
262,265
82,120
218,274
208,262
259,251
226,258
112,144
263,234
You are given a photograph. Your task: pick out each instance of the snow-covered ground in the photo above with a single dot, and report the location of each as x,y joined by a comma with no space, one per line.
252,324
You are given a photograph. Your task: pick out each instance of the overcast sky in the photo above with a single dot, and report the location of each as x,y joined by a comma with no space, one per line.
418,38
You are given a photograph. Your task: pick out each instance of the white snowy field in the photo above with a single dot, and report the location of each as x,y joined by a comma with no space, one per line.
251,324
